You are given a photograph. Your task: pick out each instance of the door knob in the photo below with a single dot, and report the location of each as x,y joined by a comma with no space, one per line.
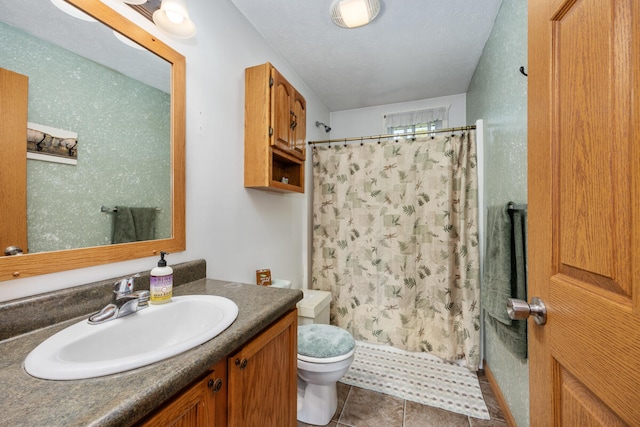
518,309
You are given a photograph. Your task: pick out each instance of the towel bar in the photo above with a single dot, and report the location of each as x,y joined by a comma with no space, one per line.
106,209
516,207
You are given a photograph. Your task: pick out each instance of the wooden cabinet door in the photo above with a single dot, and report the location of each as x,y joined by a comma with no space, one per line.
217,384
299,131
584,211
202,405
282,94
13,169
263,378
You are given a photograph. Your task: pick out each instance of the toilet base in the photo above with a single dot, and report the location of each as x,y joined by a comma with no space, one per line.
316,402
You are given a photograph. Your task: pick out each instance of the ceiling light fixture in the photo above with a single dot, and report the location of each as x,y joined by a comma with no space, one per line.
134,1
353,13
127,41
72,10
173,17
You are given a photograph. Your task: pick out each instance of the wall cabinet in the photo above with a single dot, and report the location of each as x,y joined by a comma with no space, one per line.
255,386
274,131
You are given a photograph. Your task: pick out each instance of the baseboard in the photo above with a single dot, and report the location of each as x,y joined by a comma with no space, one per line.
511,422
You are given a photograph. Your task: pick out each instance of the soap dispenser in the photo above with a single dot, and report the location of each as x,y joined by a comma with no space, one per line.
161,281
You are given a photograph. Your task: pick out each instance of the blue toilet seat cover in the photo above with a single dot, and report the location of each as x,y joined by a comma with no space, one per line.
324,341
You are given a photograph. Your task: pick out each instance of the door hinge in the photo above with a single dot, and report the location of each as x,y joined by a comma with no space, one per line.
270,81
270,131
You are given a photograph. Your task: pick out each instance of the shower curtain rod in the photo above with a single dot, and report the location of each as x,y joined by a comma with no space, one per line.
363,138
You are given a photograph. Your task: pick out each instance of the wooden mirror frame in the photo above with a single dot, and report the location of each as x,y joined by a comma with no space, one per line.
28,265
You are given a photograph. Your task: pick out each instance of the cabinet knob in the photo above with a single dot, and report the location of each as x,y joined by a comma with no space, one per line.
241,363
215,385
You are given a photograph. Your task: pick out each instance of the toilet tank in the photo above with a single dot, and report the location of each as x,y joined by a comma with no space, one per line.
314,307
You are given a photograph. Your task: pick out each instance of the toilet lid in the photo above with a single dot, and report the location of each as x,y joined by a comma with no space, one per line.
324,341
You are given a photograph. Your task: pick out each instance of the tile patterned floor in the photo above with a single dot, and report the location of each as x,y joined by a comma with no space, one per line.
358,407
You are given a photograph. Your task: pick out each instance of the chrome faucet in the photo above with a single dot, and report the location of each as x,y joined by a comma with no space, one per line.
124,302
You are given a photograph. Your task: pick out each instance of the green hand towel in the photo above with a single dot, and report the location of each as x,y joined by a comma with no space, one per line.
124,230
514,336
496,286
144,220
133,224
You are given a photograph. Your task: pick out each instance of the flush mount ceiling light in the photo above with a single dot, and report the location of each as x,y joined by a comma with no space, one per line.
173,17
353,13
127,41
72,10
134,1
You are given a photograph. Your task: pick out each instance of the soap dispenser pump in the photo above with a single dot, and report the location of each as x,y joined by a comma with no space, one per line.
161,282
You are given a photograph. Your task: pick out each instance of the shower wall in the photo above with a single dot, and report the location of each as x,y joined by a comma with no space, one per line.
498,94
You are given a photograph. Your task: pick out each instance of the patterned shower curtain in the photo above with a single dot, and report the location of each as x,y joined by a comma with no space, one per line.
395,240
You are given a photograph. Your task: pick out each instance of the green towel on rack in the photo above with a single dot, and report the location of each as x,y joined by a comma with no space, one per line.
496,286
133,224
144,220
505,276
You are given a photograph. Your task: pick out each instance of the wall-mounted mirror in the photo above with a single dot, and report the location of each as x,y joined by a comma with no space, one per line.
125,104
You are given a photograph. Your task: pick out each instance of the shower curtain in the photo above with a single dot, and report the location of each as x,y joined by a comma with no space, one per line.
395,240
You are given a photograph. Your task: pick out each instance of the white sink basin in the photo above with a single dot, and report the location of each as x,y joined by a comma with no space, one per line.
147,336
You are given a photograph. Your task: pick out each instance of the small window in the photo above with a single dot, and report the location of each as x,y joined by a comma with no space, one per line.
412,129
411,122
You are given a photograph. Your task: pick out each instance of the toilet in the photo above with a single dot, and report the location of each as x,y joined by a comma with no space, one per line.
325,353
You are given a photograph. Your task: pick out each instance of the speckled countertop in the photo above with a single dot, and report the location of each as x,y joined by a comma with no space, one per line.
125,398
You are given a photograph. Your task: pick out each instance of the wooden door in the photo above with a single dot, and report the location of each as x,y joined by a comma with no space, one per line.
584,211
189,409
263,378
299,131
282,114
203,404
13,169
217,389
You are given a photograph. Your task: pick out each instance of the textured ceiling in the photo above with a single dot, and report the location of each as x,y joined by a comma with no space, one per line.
414,49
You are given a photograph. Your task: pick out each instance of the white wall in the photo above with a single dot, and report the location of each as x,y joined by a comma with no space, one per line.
236,230
368,121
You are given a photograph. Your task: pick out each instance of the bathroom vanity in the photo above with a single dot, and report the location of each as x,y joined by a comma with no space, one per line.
246,373
255,384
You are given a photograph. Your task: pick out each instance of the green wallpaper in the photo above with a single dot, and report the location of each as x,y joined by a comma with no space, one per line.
123,149
498,94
